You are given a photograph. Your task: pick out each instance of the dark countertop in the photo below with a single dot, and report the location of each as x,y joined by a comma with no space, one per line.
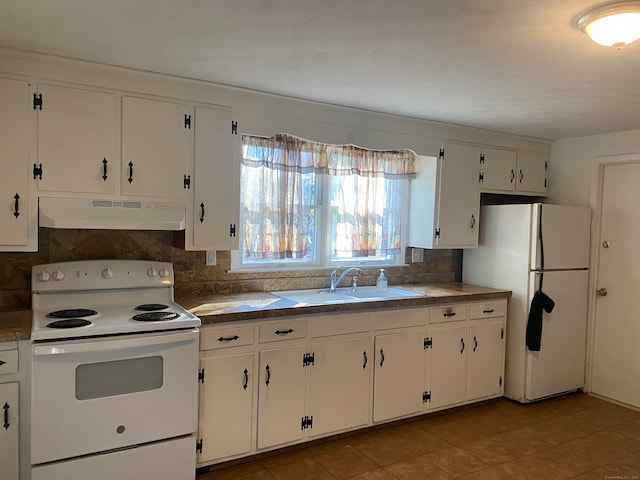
15,325
214,309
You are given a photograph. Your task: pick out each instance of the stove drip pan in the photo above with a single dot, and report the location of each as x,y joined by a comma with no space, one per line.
151,307
69,323
72,313
155,316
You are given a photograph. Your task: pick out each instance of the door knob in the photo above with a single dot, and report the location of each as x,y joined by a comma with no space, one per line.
601,292
606,244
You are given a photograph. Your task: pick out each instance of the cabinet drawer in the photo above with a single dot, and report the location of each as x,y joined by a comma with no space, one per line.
490,309
339,324
452,313
8,361
283,330
400,318
233,336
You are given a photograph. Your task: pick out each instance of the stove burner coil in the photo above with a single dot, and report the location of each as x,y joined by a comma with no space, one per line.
155,316
69,323
150,307
72,313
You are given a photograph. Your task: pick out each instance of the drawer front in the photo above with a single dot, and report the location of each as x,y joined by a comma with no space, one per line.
283,330
400,318
452,313
489,309
213,338
340,324
8,361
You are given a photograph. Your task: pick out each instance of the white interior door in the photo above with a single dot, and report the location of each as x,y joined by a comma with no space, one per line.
616,357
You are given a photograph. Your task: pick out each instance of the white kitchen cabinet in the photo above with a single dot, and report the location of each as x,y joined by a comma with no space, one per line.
18,214
157,148
506,171
215,183
447,377
9,427
445,199
76,140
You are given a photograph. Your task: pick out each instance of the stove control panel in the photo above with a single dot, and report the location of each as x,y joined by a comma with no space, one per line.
101,274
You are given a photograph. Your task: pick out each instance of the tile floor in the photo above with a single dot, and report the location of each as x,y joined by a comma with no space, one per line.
571,437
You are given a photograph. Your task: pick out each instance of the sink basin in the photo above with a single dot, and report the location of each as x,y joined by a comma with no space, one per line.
344,295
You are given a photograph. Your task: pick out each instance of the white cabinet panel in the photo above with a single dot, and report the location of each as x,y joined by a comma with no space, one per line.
531,176
447,377
9,428
498,170
486,359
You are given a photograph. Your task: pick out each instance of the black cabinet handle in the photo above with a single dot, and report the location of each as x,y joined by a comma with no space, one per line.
521,176
16,205
449,314
6,416
513,175
284,332
104,169
201,212
228,339
473,220
245,379
267,375
130,172
365,360
381,357
475,343
489,310
462,346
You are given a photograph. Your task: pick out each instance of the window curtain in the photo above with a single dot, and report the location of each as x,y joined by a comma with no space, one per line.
280,197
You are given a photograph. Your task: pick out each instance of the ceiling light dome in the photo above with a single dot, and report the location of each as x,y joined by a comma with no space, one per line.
612,24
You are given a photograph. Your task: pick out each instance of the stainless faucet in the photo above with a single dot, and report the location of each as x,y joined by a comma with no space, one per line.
333,282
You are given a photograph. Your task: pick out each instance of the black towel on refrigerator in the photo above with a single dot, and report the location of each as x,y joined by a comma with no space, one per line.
541,301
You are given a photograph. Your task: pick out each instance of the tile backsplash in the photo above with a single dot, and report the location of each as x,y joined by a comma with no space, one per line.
193,277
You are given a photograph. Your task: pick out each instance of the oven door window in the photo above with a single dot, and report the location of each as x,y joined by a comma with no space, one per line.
119,377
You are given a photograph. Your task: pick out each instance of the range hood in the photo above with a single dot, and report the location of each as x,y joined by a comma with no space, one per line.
110,214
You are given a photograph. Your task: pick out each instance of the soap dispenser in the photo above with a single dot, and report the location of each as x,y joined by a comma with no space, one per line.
381,282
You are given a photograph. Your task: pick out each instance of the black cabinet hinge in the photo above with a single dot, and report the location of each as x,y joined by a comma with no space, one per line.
426,397
502,333
2,362
199,446
441,154
201,376
500,381
428,342
546,165
187,121
232,230
545,183
482,158
234,127
437,233
308,359
307,422
37,171
37,102
187,181
481,177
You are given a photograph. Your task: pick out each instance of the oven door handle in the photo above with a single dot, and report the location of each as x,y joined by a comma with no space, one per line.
105,344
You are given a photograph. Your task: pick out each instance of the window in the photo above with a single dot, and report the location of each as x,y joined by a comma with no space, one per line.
307,204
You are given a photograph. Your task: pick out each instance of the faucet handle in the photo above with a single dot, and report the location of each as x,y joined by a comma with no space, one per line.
354,285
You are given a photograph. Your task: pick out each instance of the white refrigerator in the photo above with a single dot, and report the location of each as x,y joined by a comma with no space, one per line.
518,245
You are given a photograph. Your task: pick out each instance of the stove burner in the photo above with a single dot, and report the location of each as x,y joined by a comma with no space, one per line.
72,313
150,307
155,316
69,323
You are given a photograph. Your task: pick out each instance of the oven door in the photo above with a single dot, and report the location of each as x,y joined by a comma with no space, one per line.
98,394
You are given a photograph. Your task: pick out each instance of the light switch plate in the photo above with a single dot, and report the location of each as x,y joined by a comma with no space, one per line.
417,255
211,258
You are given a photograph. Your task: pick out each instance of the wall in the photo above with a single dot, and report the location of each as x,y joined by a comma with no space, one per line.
193,277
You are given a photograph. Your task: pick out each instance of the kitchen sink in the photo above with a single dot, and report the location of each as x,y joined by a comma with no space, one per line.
345,295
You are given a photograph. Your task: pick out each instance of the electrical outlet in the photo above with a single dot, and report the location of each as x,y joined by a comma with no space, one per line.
417,255
211,258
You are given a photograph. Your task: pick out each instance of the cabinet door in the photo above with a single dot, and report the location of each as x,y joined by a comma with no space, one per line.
531,176
9,456
217,166
400,375
498,170
14,158
226,406
156,148
76,135
486,359
339,385
447,377
459,197
281,395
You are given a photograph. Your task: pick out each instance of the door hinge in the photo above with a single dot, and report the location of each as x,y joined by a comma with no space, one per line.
428,342
426,397
545,183
37,171
481,177
232,229
2,362
199,446
187,121
437,233
37,102
500,381
441,153
546,165
307,422
187,181
482,158
201,376
502,333
308,359
234,127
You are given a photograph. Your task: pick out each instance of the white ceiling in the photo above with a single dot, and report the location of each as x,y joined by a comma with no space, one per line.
516,66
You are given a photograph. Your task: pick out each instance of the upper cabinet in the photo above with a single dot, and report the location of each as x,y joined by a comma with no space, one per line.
157,150
76,140
18,224
445,199
505,171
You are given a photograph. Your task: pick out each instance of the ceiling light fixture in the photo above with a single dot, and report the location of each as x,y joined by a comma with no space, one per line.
612,24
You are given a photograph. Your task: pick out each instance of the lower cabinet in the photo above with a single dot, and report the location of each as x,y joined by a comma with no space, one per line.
9,438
